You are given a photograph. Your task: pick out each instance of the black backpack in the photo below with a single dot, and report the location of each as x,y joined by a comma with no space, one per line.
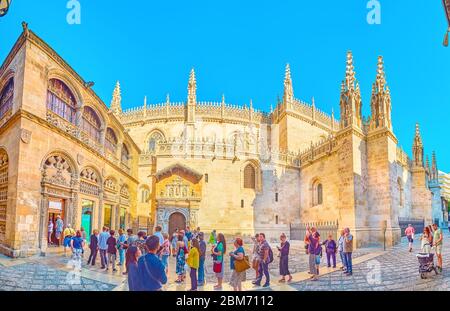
270,254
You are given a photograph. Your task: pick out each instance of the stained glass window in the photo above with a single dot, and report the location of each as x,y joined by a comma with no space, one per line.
6,97
60,100
91,123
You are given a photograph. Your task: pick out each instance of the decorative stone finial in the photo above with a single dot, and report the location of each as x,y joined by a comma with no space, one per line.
116,102
288,95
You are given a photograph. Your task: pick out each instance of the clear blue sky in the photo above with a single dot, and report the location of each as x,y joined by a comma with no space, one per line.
240,48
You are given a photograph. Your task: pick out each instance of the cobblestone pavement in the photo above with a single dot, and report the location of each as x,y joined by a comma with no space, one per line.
395,269
37,277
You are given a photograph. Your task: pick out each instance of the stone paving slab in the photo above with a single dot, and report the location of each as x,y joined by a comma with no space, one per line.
374,270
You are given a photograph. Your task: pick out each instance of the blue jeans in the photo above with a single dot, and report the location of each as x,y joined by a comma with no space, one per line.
201,272
165,260
263,268
121,256
344,263
348,262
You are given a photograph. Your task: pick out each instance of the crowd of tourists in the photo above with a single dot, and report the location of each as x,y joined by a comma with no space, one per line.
146,258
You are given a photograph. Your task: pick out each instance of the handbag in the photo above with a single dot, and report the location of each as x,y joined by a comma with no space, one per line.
217,267
255,264
242,265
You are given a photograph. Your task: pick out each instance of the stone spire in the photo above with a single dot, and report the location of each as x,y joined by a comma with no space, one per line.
434,168
288,95
418,148
380,104
350,102
116,102
192,97
428,167
192,88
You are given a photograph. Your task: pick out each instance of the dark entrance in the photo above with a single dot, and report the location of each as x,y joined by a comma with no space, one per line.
55,209
176,220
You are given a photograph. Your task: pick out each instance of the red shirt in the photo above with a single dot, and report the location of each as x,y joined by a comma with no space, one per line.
409,231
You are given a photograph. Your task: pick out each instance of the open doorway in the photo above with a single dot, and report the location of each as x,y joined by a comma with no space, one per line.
56,208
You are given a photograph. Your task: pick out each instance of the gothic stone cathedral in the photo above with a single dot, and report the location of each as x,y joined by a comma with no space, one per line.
213,165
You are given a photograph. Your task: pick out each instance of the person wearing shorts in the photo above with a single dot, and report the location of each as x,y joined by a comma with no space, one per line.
409,232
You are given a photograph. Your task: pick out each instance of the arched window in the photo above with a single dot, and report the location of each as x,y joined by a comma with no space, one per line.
91,123
125,154
154,139
317,193
6,97
110,140
145,195
249,177
60,100
400,191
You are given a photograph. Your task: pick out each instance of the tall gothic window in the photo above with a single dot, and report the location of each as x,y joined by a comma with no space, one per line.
317,193
400,191
60,100
91,123
6,97
145,195
110,140
249,177
125,154
154,139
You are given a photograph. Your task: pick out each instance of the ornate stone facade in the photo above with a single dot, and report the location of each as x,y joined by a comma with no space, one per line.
53,159
209,164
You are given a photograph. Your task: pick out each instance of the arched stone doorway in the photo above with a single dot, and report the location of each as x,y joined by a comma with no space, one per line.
59,194
176,220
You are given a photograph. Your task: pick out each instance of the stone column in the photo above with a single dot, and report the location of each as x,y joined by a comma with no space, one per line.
100,208
114,223
74,210
193,221
43,224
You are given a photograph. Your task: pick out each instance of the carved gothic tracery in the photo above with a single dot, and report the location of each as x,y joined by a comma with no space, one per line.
89,183
57,171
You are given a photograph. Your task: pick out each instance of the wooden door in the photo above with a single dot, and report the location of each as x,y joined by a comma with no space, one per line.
176,220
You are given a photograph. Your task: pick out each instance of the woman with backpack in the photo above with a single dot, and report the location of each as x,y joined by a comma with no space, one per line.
217,253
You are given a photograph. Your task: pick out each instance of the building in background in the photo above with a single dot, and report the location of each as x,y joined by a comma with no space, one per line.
444,181
208,164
